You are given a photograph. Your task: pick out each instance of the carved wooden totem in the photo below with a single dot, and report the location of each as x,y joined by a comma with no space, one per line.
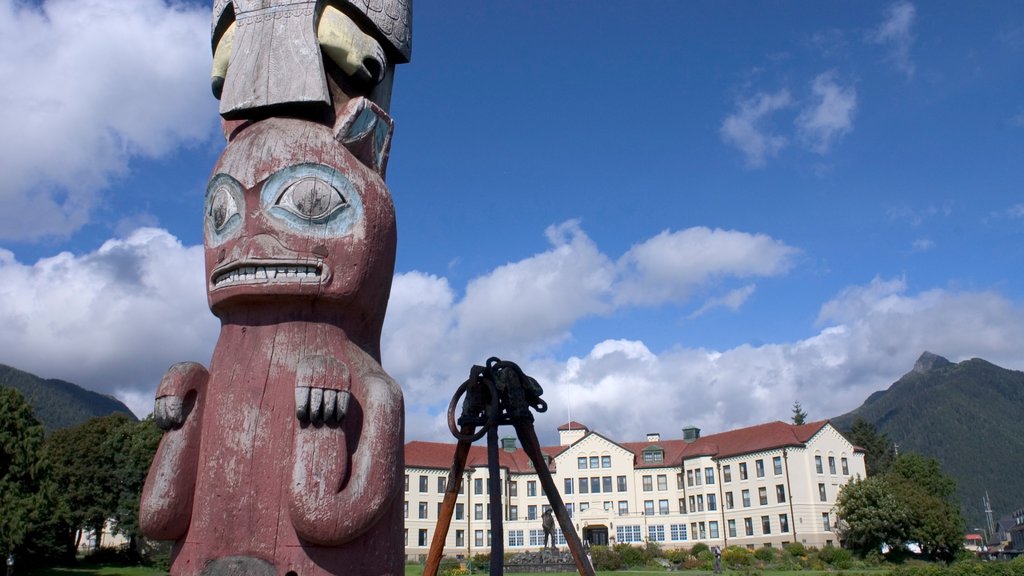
285,457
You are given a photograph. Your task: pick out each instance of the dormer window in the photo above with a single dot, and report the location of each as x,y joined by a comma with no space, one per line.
654,454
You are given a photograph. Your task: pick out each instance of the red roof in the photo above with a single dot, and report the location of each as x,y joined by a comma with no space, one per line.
573,425
758,438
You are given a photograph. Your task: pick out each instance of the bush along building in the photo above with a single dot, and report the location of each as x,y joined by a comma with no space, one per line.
765,485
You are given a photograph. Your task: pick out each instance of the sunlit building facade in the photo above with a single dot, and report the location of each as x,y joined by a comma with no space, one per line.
769,484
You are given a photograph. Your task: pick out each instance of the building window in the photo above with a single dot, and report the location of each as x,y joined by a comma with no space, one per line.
423,483
783,523
513,512
606,484
621,483
713,529
531,512
743,470
406,482
568,509
689,477
478,538
515,538
748,526
780,493
703,531
712,504
594,462
759,467
696,477
581,462
606,461
460,538
745,496
656,533
777,465
821,493
846,466
423,537
663,507
595,485
678,532
653,455
478,486
679,481
441,484
766,525
439,509
649,507
700,503
732,528
682,505
709,475
662,482
423,510
817,465
406,509
693,503
584,486
728,501
648,483
478,511
623,507
832,465
762,496
568,486
513,489
531,487
628,533
727,473
826,525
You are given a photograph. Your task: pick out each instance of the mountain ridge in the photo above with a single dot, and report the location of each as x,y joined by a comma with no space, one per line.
58,403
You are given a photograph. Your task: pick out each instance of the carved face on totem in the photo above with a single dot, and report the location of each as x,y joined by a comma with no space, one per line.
292,218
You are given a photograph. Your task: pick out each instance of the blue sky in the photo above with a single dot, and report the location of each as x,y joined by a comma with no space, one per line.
669,213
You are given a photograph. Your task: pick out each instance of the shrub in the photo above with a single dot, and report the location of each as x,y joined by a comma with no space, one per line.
451,567
676,555
698,548
606,558
765,554
795,549
840,558
631,555
737,557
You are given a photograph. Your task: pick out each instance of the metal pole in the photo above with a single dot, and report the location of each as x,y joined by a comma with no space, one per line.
451,494
494,486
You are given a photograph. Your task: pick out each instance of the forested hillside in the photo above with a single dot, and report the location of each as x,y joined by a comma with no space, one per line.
59,404
966,415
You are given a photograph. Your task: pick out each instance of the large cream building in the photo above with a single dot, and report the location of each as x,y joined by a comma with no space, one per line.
769,484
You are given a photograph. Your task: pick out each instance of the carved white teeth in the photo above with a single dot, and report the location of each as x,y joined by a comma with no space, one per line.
253,273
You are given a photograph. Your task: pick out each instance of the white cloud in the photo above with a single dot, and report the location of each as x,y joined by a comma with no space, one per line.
111,320
88,84
731,300
895,32
922,245
830,114
1016,211
747,129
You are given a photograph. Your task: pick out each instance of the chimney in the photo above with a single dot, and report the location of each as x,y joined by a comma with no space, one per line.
508,444
653,437
690,433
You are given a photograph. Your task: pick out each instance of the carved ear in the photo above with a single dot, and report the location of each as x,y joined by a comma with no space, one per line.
365,129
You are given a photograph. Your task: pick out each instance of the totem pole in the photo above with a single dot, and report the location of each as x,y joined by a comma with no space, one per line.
285,457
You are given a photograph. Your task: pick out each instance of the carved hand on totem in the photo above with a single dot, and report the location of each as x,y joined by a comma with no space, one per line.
321,390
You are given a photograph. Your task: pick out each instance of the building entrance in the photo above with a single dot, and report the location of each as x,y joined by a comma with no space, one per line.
596,535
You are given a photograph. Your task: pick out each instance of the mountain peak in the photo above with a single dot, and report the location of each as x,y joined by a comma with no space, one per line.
928,362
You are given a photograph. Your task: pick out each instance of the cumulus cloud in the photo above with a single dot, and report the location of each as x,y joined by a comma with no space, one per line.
88,84
829,115
111,320
896,34
748,127
732,300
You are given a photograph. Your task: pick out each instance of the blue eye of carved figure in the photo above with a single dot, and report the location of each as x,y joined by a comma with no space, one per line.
223,202
312,195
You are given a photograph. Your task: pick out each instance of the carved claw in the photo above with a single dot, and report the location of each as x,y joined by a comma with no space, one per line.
320,405
356,52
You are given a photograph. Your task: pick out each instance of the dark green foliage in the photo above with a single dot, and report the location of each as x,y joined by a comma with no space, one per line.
698,548
60,404
795,549
632,556
1013,567
799,416
606,558
765,554
966,415
21,471
737,557
871,515
878,449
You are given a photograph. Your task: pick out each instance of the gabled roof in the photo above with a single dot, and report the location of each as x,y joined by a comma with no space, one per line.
573,425
419,454
759,438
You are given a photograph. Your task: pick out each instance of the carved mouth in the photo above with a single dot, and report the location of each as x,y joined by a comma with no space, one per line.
264,273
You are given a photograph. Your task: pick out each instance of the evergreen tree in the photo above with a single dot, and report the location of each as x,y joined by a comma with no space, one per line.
799,416
21,441
879,450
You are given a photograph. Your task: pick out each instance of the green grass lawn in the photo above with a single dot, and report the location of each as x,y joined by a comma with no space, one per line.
95,571
417,570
